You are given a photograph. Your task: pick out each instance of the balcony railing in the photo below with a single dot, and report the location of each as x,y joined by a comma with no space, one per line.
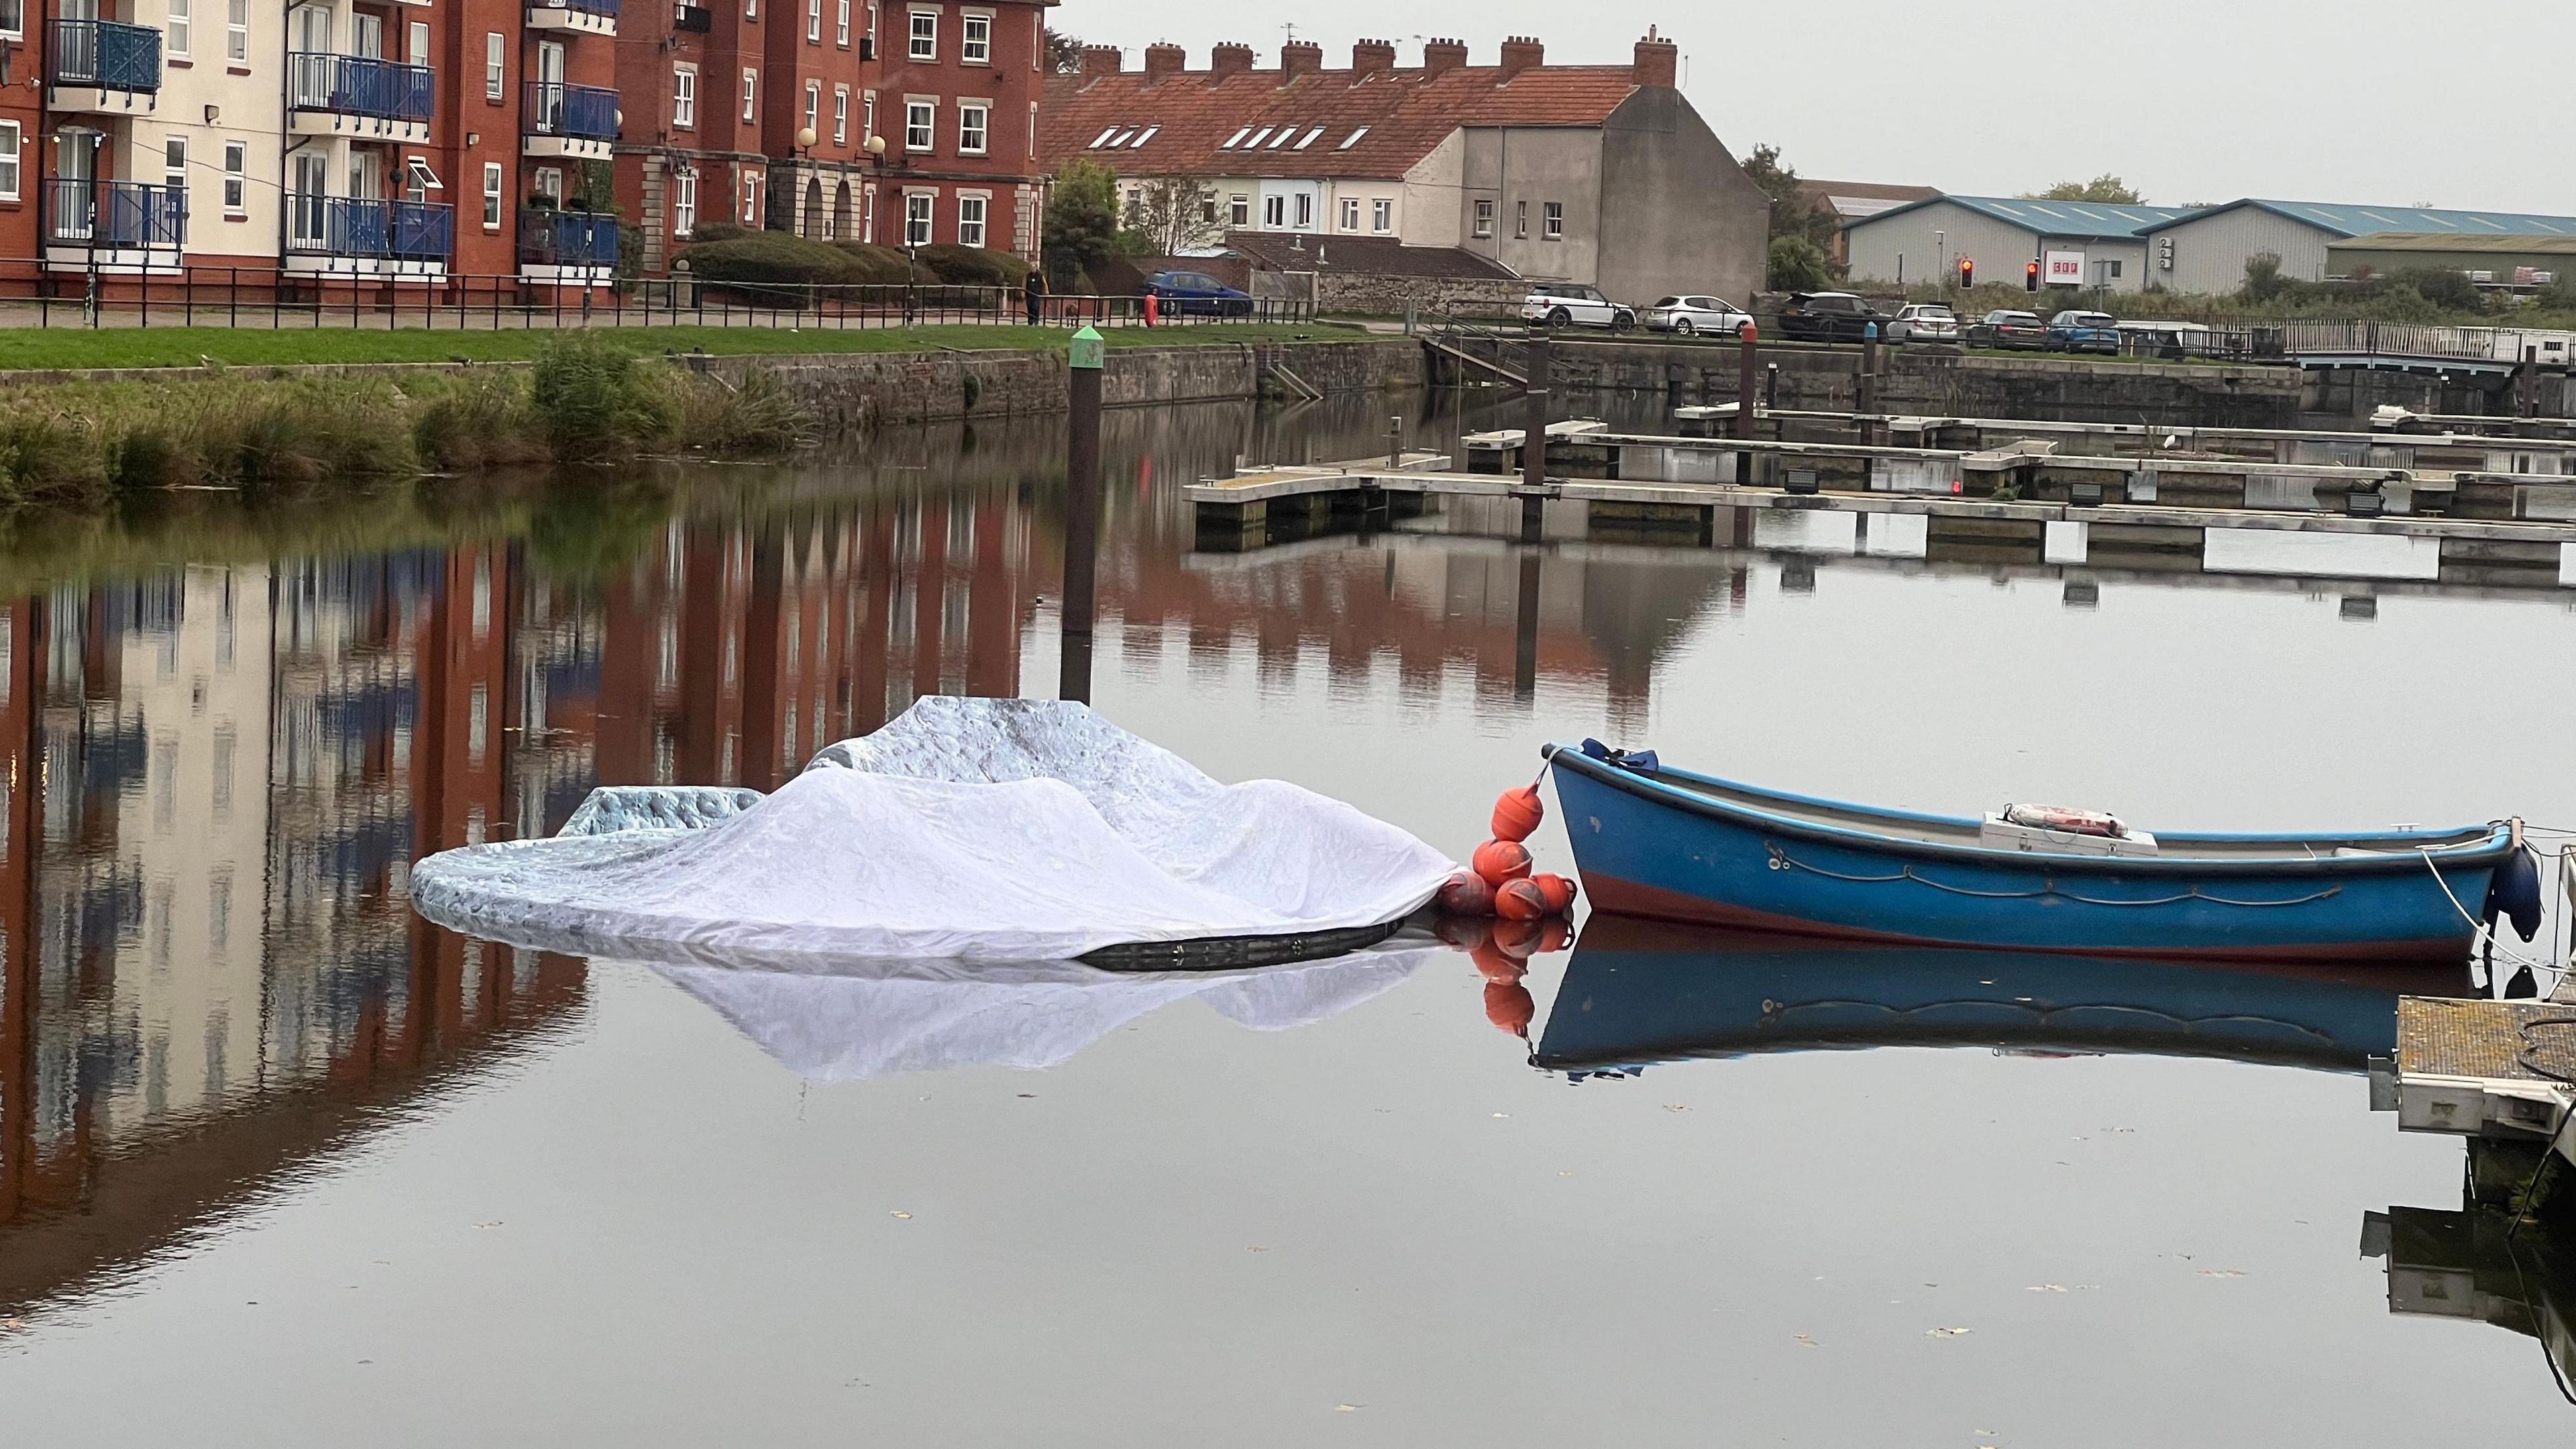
103,54
369,227
356,85
606,9
550,238
556,108
115,215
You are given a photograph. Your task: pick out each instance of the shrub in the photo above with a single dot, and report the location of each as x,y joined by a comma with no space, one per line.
885,266
46,457
758,418
717,231
774,259
143,457
973,266
480,420
595,401
1796,265
316,428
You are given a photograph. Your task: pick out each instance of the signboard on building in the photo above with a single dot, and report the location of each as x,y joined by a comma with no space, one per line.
2062,269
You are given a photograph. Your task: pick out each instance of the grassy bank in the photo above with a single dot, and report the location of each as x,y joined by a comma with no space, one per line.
52,348
585,399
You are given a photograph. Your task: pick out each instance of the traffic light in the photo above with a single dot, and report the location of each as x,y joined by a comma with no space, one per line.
2030,277
1967,273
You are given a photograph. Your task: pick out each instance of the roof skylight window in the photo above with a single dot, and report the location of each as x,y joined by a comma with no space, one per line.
1103,138
1310,138
1286,134
1352,139
1144,136
1256,138
1236,139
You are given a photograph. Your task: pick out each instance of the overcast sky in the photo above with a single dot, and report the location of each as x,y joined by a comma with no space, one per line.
2380,101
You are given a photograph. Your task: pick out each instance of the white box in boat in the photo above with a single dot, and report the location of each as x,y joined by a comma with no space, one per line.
2000,834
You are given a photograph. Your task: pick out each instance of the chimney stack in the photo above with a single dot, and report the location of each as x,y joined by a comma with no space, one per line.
1372,57
1443,55
1100,60
1658,61
1520,53
1300,57
1229,58
1163,61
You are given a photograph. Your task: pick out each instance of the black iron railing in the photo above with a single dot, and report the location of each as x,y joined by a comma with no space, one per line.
115,215
357,85
369,227
103,53
559,108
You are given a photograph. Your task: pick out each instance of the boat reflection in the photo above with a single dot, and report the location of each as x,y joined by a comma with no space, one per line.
1639,992
2476,1264
863,1020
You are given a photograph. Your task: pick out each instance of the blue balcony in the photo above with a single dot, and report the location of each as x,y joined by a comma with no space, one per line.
100,65
559,119
368,236
356,95
114,216
588,17
574,240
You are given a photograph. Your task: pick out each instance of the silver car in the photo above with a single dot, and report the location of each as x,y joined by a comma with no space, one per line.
1924,322
1687,315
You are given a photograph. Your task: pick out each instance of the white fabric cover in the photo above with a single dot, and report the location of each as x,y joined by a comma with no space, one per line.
919,1016
974,829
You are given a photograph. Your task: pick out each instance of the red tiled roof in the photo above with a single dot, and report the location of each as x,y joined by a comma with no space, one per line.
1383,256
1407,113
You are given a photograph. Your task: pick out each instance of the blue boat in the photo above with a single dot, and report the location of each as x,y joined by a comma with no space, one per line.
1651,840
1638,993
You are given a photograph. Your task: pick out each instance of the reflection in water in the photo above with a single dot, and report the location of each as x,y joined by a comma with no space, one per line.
220,751
2477,1263
1638,992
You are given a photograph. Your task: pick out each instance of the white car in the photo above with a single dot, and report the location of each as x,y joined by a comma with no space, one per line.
1570,304
1924,322
1686,315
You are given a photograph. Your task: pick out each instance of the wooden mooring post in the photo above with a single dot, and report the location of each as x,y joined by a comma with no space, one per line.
1081,514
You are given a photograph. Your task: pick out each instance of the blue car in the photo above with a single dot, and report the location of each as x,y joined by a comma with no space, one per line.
2084,332
1197,293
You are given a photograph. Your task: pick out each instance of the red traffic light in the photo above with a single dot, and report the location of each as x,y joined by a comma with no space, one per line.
2030,277
1967,272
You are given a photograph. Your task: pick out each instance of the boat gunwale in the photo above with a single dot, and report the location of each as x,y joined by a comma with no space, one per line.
2464,849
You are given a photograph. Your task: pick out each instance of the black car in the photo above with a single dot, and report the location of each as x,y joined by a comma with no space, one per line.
1830,317
2015,331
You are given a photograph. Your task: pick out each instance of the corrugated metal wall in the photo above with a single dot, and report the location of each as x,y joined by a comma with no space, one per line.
1998,247
2210,254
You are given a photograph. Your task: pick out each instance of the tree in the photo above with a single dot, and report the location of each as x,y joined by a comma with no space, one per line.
2105,187
1081,227
1797,265
1792,214
1063,52
1169,215
2263,279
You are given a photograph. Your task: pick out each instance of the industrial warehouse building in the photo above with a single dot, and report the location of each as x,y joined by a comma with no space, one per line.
2076,243
2203,251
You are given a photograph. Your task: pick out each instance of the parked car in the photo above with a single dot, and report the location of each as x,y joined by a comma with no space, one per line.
1183,293
2073,331
2009,329
1686,315
1924,322
1830,317
1570,304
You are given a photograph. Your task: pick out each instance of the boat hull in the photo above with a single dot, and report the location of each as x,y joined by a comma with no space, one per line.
1672,859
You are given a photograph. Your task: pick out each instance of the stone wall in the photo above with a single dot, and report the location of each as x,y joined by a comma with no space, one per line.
1375,294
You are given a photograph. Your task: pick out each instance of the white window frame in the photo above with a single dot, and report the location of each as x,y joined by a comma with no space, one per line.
920,118
867,116
496,66
750,93
1382,214
1238,211
975,123
1305,210
840,115
814,106
972,49
492,187
236,193
921,43
17,31
841,26
237,32
1350,213
1485,218
983,209
1552,221
178,33
813,22
684,98
1033,130
919,208
13,139
684,203
1274,212
751,198
174,162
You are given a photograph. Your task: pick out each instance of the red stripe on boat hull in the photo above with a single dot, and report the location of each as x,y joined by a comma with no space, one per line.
1628,898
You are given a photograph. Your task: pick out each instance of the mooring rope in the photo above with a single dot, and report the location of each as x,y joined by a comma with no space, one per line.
1782,860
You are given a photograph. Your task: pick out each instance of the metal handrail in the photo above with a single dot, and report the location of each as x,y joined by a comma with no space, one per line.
567,239
103,53
118,215
605,8
358,85
560,108
367,226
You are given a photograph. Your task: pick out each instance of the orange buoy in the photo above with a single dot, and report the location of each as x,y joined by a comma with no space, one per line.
1520,900
1466,894
1519,940
1517,813
1509,1007
1501,860
1554,934
1558,890
1495,965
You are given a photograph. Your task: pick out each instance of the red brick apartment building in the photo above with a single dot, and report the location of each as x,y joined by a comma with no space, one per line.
469,145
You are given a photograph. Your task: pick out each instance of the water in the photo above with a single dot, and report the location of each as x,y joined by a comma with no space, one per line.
280,1165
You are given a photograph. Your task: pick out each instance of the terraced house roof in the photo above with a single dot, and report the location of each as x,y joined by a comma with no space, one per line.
1370,124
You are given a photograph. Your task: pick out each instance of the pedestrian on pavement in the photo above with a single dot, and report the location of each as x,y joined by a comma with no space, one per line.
1036,294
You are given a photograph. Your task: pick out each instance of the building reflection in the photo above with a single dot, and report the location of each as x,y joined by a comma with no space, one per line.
2488,1262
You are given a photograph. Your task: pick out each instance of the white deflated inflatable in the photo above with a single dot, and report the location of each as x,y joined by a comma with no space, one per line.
972,829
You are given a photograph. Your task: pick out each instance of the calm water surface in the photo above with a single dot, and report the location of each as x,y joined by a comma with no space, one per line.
281,1165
